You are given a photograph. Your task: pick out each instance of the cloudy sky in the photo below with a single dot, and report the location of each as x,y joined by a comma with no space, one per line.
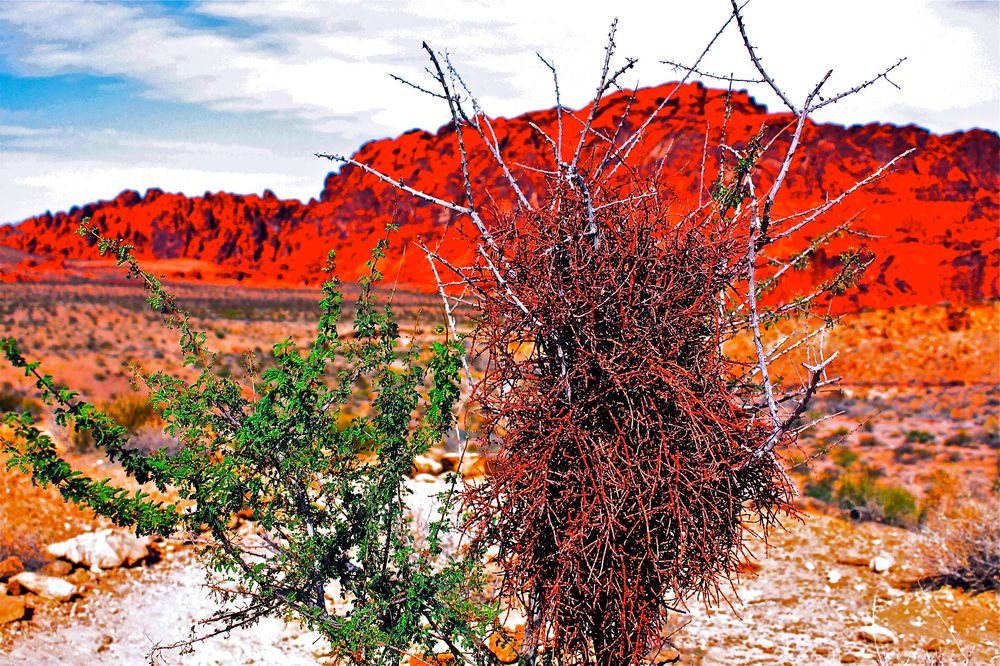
237,96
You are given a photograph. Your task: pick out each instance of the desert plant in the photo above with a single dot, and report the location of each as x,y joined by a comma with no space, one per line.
866,497
963,545
633,454
919,437
330,525
11,401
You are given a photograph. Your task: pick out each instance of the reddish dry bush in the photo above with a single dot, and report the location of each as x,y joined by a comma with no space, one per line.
625,475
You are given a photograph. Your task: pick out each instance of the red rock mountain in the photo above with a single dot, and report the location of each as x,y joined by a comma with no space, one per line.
935,215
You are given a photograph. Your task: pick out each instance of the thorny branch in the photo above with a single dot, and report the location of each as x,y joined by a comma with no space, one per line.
598,373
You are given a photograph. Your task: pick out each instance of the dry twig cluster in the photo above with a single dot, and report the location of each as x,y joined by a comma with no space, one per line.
633,456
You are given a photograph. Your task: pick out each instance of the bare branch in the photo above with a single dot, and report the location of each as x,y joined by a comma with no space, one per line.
757,63
708,75
846,193
836,98
559,128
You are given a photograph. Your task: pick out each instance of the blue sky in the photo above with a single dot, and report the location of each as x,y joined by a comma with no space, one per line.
237,96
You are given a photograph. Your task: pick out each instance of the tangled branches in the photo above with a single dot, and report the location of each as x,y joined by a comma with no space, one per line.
633,454
625,476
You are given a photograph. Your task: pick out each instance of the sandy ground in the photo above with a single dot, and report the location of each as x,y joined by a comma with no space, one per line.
795,610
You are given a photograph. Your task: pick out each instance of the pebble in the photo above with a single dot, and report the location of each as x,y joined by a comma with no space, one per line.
10,567
881,563
667,655
877,634
48,587
427,465
11,609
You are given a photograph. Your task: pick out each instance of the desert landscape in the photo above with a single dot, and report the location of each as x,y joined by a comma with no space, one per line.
771,343
926,433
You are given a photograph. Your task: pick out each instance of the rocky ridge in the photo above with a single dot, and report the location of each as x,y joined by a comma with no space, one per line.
932,221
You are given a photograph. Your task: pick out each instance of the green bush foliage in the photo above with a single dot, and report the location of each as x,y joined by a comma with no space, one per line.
328,521
860,491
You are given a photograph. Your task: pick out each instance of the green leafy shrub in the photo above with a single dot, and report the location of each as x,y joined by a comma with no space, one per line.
908,454
844,457
869,441
330,525
919,437
821,487
867,498
130,411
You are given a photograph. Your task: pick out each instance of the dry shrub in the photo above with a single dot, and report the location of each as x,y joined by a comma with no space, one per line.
624,479
963,545
131,411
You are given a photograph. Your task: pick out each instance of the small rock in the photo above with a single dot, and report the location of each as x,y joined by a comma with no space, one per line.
11,609
427,465
13,587
104,549
834,576
874,633
425,478
822,650
56,568
849,658
104,642
881,563
48,587
932,645
766,646
10,567
79,577
506,645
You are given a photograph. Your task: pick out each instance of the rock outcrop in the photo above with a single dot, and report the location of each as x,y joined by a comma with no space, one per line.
933,218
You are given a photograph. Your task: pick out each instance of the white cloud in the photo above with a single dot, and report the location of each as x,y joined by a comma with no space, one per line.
324,62
326,65
31,182
21,131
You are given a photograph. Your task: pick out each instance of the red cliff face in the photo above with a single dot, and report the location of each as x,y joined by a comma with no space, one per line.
934,218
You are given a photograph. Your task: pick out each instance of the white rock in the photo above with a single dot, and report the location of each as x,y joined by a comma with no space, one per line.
834,576
49,587
874,633
427,465
104,549
768,646
881,563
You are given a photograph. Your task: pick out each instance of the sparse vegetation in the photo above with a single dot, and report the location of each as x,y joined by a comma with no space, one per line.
919,437
863,494
963,545
323,513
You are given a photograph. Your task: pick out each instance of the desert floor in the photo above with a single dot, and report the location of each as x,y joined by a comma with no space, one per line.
917,410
